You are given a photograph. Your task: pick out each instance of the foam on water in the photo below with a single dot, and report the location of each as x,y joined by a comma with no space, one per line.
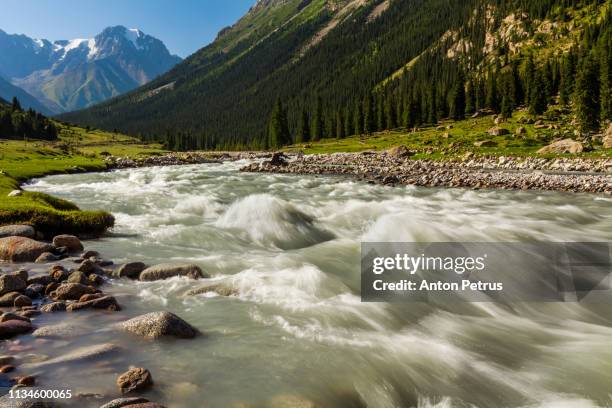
288,247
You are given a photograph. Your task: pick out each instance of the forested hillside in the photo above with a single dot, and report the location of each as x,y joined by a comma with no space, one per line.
299,70
17,123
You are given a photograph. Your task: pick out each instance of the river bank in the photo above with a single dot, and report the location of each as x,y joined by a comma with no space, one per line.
394,167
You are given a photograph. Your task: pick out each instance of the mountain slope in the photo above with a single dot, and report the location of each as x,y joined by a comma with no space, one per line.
68,75
8,91
336,61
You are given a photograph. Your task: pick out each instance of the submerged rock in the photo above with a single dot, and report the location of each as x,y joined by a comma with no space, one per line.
22,249
71,291
158,324
17,231
80,354
221,288
105,302
130,270
60,330
124,402
135,379
12,328
69,241
47,257
165,271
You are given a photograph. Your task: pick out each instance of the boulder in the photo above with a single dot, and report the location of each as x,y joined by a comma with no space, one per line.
34,290
53,307
95,279
78,277
12,328
165,271
12,316
69,241
105,302
40,279
11,282
498,131
22,249
399,152
278,159
90,254
8,300
563,146
88,267
130,270
124,402
71,291
17,231
135,379
22,300
158,324
47,257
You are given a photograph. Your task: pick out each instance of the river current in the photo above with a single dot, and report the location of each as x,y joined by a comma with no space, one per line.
294,328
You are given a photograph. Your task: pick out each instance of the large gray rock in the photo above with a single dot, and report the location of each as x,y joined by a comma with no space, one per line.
22,249
563,146
11,282
80,354
165,271
158,324
17,231
68,241
130,270
124,402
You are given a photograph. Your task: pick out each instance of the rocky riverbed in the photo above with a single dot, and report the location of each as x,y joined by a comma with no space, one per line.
478,172
71,284
181,158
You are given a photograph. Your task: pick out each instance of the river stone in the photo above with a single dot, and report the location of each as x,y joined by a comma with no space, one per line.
158,324
78,277
69,241
22,249
7,402
90,254
53,307
11,282
12,328
47,257
22,300
8,300
124,402
106,302
78,355
71,291
563,146
135,379
17,231
221,288
40,279
12,316
165,271
399,152
60,330
88,267
130,270
34,290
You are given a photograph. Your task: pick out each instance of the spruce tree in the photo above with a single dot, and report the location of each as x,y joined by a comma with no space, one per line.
470,98
586,95
340,126
492,101
348,122
358,118
567,79
458,99
317,121
538,101
605,80
303,130
15,105
368,114
278,128
380,112
390,118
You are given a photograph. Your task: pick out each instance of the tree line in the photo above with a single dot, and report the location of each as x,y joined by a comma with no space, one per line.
16,123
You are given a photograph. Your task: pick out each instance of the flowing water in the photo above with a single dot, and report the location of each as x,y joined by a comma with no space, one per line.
288,249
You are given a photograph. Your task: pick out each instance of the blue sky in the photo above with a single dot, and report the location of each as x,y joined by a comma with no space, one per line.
184,25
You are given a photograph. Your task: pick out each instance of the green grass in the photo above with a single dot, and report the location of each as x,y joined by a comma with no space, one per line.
77,150
431,143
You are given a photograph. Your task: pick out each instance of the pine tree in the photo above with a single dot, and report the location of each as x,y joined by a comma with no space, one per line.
567,79
492,101
380,112
16,105
470,98
348,122
390,118
458,99
529,73
303,130
605,80
538,101
317,121
340,126
358,118
586,95
432,110
278,128
368,114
